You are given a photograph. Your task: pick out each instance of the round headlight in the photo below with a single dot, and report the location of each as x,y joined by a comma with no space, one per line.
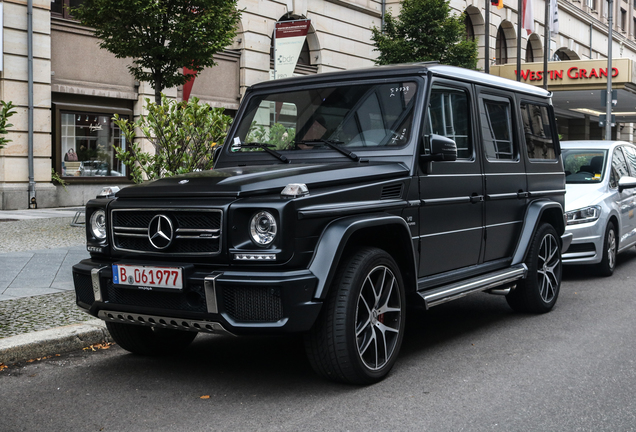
98,224
263,228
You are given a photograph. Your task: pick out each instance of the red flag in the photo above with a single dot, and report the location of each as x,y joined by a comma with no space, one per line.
187,87
527,16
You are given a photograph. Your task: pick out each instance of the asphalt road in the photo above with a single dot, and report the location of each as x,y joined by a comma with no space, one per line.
469,365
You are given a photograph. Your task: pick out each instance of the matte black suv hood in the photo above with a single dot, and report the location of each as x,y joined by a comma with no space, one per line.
262,179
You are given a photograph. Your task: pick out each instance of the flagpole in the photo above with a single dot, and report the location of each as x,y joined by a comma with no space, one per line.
546,42
608,100
487,39
519,8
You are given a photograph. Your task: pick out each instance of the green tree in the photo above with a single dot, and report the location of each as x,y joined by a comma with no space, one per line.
183,135
425,30
162,36
6,112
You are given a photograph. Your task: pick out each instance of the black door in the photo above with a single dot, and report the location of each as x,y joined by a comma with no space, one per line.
451,212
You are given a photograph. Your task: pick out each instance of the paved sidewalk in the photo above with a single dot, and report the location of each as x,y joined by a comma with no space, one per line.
38,315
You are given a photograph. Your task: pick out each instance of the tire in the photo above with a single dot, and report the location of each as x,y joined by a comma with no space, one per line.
610,246
539,291
359,331
148,340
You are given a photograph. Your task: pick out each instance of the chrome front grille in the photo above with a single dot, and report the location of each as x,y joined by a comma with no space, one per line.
192,231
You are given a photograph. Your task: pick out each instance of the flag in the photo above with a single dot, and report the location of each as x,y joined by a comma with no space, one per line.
554,18
527,16
498,3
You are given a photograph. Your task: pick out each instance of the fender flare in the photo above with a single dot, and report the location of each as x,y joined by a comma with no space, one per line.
533,217
334,239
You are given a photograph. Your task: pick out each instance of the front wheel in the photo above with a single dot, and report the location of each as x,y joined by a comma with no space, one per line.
539,291
149,340
608,262
358,334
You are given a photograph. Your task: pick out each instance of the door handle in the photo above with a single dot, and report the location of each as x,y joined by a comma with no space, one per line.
521,194
474,198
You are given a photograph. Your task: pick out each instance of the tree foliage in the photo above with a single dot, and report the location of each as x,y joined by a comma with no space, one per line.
6,112
183,135
162,36
425,30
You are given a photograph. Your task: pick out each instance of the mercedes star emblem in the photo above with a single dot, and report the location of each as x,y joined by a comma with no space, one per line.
160,231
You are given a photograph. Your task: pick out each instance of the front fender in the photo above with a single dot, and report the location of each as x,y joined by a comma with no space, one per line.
337,234
537,212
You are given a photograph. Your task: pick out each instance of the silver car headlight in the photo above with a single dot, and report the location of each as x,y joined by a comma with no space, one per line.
584,215
98,224
263,228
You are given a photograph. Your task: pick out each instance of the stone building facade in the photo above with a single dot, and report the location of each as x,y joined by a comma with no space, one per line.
78,87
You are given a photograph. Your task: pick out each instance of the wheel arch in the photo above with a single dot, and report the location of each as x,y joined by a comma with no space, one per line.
387,232
538,212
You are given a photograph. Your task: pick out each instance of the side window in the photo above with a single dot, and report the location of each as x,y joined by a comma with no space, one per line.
536,127
449,116
619,167
496,127
630,154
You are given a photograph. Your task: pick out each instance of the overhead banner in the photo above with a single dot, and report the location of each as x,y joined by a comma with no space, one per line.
289,38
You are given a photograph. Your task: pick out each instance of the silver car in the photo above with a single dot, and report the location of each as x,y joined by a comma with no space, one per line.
600,201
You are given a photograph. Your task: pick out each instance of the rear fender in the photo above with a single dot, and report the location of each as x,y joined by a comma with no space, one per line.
340,234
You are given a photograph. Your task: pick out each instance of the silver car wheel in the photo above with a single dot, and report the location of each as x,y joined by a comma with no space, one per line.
549,261
611,248
378,318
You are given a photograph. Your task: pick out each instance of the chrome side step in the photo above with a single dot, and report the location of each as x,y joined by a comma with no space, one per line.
163,322
460,289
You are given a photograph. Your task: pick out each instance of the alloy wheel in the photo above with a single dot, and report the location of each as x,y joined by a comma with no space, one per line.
548,266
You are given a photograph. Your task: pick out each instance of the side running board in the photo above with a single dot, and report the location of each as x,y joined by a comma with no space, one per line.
446,293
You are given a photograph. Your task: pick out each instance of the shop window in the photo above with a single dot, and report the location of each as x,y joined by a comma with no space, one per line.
87,141
61,7
538,132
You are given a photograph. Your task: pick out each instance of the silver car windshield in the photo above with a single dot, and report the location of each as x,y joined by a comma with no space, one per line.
584,166
334,118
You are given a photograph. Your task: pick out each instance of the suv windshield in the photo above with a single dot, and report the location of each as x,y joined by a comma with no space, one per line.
339,118
584,166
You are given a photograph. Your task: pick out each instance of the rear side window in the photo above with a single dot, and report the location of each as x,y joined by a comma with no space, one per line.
496,126
538,133
449,115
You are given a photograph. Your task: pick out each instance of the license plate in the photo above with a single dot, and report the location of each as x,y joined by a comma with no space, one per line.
145,277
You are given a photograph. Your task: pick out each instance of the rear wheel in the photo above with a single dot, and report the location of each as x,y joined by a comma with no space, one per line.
610,245
358,334
149,340
539,291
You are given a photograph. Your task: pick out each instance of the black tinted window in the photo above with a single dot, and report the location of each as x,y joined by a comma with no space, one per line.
496,126
537,130
449,116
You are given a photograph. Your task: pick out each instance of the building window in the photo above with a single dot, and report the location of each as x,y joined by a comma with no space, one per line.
591,4
529,53
623,20
470,31
61,7
501,48
87,141
634,28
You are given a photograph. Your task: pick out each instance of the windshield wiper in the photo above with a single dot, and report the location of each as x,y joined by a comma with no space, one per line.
265,147
333,144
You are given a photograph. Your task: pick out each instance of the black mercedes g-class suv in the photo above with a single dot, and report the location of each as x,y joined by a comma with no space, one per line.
336,201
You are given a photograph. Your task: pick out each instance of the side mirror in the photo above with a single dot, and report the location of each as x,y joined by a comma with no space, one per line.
216,152
626,182
442,149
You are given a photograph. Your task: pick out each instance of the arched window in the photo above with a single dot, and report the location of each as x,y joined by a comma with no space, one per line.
470,31
561,55
501,47
529,53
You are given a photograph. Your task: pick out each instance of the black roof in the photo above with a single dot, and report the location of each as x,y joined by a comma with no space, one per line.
407,69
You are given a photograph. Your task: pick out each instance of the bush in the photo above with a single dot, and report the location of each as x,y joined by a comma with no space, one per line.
183,134
6,112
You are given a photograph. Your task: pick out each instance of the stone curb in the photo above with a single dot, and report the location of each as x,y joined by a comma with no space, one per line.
53,341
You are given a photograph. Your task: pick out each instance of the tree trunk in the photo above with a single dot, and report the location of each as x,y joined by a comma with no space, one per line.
158,88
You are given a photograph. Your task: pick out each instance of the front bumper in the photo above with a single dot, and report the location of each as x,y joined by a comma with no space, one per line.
227,301
587,243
